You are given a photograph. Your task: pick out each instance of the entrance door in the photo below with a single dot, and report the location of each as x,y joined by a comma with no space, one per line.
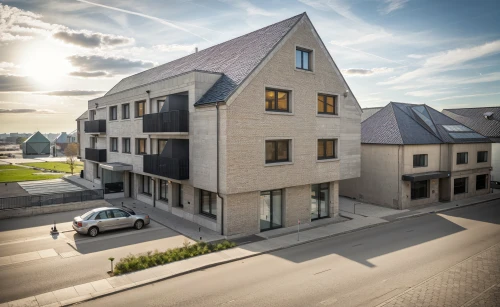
319,201
270,210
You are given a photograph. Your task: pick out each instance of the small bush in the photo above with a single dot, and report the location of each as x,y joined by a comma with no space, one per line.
150,259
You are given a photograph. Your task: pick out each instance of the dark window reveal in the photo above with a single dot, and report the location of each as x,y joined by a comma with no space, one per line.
460,186
114,144
327,104
462,158
326,149
208,203
482,156
126,145
141,147
481,182
419,160
126,111
146,185
420,189
277,151
302,59
140,108
113,113
277,101
164,190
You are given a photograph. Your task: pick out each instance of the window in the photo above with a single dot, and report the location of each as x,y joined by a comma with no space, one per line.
460,186
208,203
482,156
92,114
101,216
277,151
126,111
419,160
113,113
302,59
320,194
420,189
164,190
140,108
96,170
181,204
462,158
114,144
161,145
481,182
270,210
277,101
120,213
93,142
126,145
159,105
326,149
140,146
146,185
327,104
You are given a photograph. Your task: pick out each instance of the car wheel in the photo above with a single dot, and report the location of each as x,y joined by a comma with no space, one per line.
93,232
139,224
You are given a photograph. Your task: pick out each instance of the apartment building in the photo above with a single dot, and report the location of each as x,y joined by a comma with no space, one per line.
249,135
413,155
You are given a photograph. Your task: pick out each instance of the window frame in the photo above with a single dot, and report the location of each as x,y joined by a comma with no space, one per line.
181,204
466,155
276,91
466,189
111,113
276,160
148,185
271,194
335,104
113,140
137,103
325,156
125,147
137,147
302,51
160,196
413,190
210,204
485,182
125,105
426,159
485,156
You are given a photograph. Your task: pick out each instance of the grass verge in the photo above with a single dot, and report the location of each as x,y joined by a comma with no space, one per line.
25,174
150,259
56,166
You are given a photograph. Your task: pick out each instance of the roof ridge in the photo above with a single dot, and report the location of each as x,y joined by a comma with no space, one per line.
416,121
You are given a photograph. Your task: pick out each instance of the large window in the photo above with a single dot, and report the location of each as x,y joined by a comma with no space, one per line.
462,158
140,108
420,189
93,142
159,105
161,145
126,111
303,59
419,160
320,195
460,186
146,185
208,203
326,149
114,144
277,101
277,151
482,156
481,182
270,210
164,190
140,146
113,113
126,145
327,104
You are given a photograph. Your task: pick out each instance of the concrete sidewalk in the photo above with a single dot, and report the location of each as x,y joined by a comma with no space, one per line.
92,290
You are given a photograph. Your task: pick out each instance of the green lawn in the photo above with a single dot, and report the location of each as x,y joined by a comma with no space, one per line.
16,174
9,166
57,166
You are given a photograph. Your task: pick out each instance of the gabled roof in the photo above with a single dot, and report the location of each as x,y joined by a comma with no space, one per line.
62,138
234,59
37,137
405,124
475,119
85,115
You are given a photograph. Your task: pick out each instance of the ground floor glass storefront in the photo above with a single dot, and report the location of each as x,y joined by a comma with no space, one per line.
270,210
320,195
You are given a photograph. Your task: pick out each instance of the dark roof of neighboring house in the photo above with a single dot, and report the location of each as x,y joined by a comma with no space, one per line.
37,137
475,119
234,59
404,124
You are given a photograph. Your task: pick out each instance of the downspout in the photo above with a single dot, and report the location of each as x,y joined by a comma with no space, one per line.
218,194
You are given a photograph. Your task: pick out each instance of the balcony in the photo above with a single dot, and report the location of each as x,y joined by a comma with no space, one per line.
166,167
171,121
95,126
96,155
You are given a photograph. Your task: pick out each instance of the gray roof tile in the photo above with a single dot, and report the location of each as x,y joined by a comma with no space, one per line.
474,119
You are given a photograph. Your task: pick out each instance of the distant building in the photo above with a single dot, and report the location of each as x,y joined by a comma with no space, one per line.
80,122
61,141
36,146
367,112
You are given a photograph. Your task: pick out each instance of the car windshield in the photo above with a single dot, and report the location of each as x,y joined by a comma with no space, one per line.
86,215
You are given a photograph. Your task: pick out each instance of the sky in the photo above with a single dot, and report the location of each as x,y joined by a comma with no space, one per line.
55,55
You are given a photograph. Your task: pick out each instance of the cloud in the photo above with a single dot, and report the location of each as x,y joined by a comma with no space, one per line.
427,93
338,6
467,96
366,53
392,5
90,39
73,93
416,56
366,72
446,60
111,65
250,8
175,47
89,74
21,111
11,83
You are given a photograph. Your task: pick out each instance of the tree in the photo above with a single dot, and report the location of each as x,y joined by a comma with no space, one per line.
71,152
20,140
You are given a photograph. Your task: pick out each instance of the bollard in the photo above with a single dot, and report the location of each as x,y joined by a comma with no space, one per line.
111,259
53,230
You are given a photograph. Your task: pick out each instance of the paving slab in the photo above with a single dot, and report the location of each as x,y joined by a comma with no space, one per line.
66,293
25,302
46,299
75,300
47,253
140,275
118,281
70,254
162,271
84,289
101,285
25,257
5,260
56,304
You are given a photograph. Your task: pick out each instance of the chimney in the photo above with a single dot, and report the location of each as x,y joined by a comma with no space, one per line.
488,115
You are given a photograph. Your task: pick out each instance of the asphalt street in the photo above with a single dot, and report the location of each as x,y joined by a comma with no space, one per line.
363,268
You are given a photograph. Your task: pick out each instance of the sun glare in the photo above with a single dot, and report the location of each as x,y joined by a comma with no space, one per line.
45,64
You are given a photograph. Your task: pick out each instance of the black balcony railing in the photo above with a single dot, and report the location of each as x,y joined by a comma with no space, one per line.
172,121
166,167
95,126
97,155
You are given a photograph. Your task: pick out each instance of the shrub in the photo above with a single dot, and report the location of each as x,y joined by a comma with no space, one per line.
150,259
